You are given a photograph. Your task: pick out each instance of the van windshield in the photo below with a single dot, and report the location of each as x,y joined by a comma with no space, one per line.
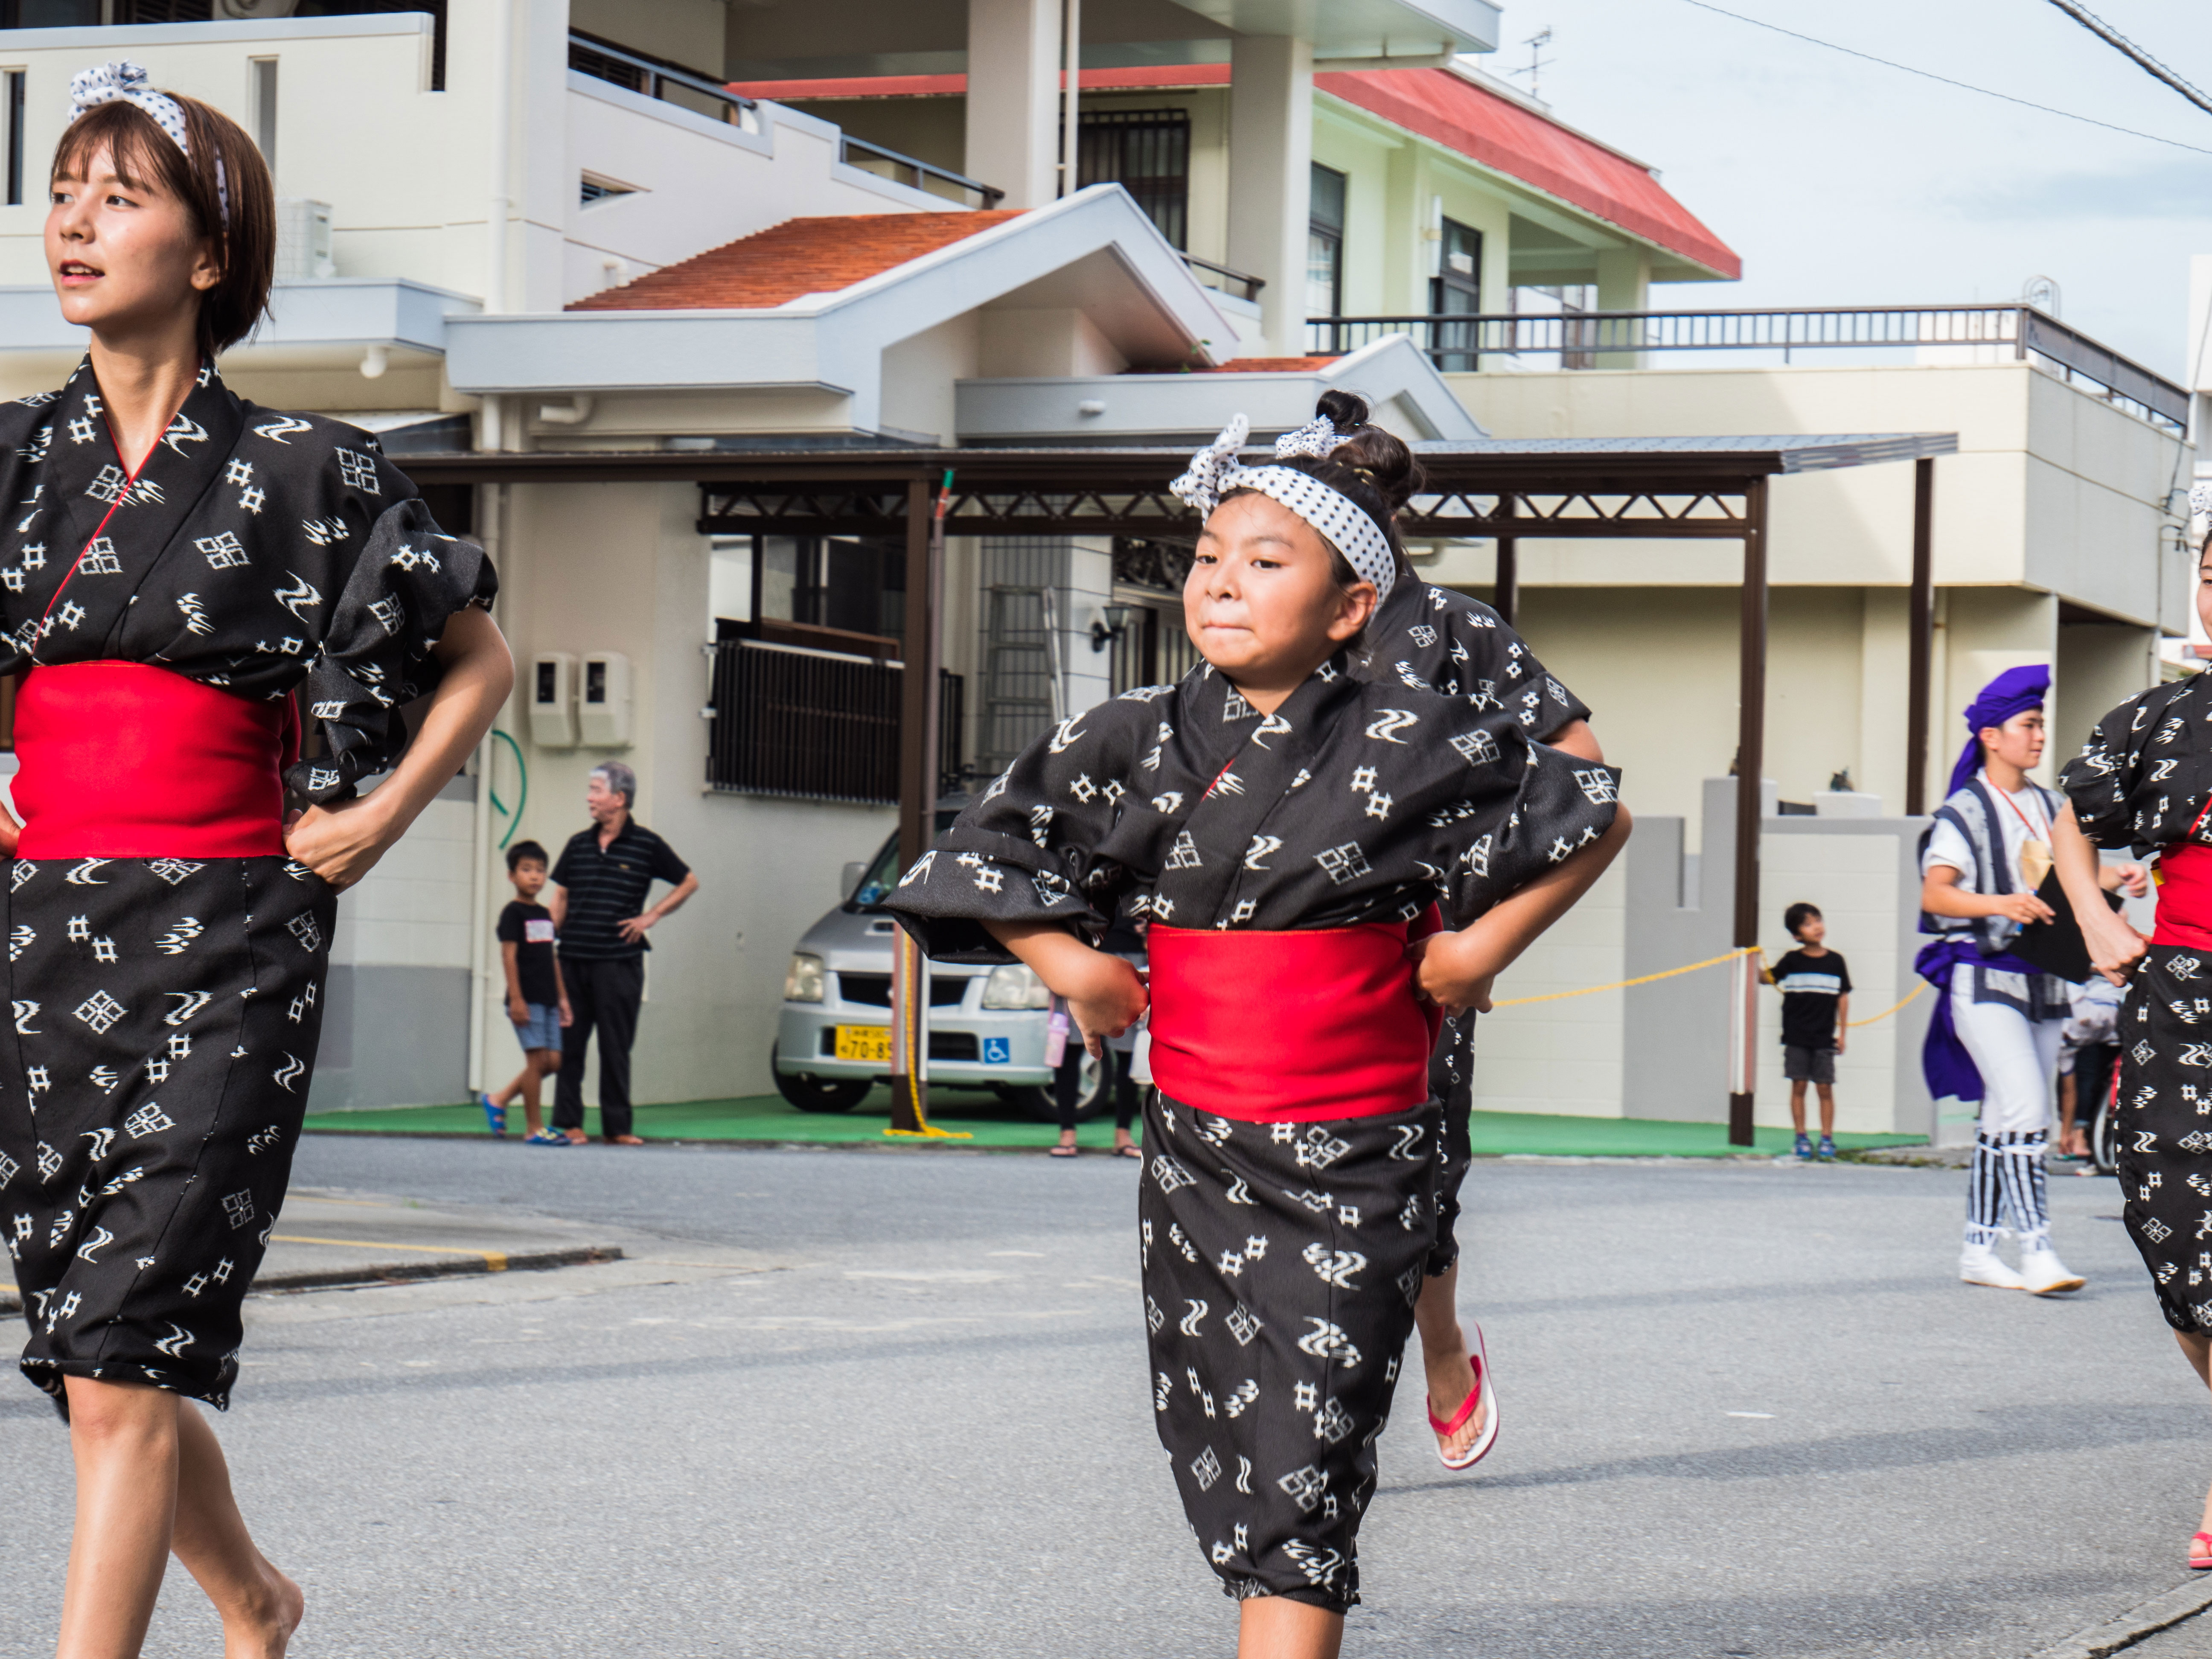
883,872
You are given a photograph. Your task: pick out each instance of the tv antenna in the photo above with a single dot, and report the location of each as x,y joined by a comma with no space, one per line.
1537,62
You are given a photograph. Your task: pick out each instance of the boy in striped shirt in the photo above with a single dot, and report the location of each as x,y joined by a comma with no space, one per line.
1816,1001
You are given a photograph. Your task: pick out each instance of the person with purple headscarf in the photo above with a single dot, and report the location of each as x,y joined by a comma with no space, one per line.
1993,1037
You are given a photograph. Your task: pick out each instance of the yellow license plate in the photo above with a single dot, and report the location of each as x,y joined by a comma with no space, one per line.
869,1043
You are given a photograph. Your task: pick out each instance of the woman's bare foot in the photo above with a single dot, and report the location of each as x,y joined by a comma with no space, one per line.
270,1632
1450,1371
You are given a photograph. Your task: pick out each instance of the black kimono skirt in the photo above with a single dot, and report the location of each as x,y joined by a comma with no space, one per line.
167,963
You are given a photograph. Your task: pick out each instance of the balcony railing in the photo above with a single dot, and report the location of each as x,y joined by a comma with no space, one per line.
1581,340
656,77
1237,284
821,727
906,170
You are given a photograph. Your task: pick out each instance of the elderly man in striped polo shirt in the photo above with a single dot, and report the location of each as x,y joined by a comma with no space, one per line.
597,900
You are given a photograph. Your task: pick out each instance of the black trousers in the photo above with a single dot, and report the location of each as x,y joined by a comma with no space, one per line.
603,996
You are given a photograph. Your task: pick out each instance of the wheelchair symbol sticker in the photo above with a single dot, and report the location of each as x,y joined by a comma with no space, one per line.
997,1051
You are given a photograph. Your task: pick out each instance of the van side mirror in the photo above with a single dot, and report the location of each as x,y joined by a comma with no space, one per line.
849,883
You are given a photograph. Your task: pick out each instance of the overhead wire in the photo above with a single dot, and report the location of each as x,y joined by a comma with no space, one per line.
1929,74
2127,48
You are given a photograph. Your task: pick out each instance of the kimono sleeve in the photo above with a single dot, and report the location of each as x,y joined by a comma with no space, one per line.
1463,648
1044,843
2101,781
1530,809
411,577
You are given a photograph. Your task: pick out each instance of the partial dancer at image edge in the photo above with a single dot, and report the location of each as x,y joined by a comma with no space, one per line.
1287,831
179,562
2144,781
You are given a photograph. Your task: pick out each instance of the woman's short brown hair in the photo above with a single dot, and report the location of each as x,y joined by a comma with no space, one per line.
223,160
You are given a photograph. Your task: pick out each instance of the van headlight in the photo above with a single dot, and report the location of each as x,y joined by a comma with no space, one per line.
803,982
1012,985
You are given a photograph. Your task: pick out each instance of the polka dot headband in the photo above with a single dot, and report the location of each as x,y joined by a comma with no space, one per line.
106,83
1215,471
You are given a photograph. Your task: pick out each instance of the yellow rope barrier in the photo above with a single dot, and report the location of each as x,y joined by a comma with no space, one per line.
1671,973
1886,1013
1622,985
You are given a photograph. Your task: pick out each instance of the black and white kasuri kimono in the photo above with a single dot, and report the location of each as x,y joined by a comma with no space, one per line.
2144,780
1288,1204
1432,639
167,998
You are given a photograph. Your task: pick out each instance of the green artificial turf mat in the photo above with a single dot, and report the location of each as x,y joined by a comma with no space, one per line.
990,1123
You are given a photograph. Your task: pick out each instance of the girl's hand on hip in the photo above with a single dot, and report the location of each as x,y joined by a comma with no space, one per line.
1455,970
2115,947
340,843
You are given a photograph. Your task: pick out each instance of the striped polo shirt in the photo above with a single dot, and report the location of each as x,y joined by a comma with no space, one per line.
607,886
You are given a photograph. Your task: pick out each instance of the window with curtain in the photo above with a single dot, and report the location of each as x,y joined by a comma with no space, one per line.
1456,290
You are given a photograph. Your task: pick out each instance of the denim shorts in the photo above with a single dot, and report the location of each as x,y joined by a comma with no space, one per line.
543,1029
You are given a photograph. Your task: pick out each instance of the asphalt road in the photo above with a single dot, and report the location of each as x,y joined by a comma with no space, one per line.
885,1404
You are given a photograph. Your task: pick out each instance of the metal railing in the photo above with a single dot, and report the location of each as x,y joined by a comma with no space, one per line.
821,727
1579,340
889,164
655,78
1237,284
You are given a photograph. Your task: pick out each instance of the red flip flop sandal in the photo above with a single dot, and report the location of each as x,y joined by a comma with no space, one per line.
2200,1563
1478,1362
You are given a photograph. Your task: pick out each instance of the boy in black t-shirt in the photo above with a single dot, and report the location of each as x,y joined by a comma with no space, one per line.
1816,1001
537,1001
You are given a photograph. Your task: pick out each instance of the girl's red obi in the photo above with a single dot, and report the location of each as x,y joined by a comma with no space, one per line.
2184,896
1290,1027
126,760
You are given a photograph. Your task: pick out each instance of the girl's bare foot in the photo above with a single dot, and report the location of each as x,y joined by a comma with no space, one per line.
268,1634
1450,1372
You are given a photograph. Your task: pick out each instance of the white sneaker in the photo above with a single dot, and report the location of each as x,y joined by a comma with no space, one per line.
2043,1273
1980,1265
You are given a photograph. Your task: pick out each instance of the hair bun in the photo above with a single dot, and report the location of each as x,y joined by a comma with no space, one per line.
1380,458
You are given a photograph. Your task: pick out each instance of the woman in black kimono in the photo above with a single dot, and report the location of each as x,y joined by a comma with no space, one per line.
1432,638
2144,780
1288,829
174,565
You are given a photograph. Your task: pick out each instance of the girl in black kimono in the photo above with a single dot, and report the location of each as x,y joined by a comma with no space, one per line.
175,564
1288,829
2144,780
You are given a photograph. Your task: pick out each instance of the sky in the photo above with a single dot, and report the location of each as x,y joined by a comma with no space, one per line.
1841,182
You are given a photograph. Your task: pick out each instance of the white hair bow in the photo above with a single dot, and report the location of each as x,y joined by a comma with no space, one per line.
2200,512
1317,438
1204,483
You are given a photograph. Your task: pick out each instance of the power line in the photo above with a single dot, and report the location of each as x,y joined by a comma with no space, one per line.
1702,5
2120,43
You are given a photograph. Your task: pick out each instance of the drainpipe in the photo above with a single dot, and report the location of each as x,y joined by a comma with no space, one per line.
502,118
1071,115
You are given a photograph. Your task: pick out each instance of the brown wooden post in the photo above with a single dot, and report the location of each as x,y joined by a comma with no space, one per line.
1751,740
1505,596
919,786
1920,671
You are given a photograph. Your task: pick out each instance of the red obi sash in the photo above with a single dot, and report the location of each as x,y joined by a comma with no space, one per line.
126,760
2184,896
1290,1027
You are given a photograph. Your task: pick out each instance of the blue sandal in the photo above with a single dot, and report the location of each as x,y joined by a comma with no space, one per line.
547,1138
495,1115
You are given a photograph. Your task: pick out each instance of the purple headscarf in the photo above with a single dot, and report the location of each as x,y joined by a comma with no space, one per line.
2013,692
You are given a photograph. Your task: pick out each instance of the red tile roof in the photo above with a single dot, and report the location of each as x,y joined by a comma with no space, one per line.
800,256
1522,143
1271,365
